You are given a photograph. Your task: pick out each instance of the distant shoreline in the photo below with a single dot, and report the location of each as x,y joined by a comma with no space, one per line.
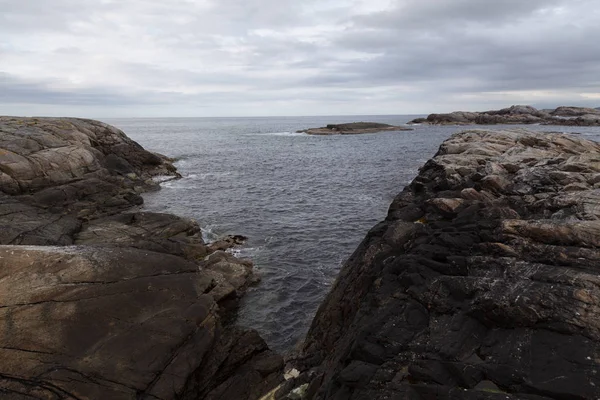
517,115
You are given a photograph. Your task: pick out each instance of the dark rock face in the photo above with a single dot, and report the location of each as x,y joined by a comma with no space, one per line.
482,282
570,116
98,303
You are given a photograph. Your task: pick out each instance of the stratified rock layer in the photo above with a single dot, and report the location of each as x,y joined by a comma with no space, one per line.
482,283
99,303
569,116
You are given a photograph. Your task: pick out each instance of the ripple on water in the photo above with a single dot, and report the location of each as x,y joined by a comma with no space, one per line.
304,201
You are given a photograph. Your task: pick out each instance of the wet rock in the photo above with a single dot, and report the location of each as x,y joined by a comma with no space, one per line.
231,275
478,285
227,242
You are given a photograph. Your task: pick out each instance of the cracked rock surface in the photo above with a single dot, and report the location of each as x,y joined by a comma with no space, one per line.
101,302
483,282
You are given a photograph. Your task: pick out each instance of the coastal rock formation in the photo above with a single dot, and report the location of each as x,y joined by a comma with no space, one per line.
575,111
99,303
570,116
164,233
483,282
353,128
99,323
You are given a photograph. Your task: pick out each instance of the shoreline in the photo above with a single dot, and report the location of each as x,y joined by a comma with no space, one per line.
455,275
517,115
136,298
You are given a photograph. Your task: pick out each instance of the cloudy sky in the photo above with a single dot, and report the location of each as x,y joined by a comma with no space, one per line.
105,58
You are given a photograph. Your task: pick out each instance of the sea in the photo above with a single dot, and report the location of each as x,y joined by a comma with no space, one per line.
304,202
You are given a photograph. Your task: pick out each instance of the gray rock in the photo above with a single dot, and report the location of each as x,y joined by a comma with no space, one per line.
517,115
163,233
354,128
574,111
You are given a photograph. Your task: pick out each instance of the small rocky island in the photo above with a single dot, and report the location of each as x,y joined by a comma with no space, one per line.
353,128
520,115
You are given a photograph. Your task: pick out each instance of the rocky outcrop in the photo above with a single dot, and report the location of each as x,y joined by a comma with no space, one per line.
100,323
483,282
99,301
575,111
353,128
56,173
517,115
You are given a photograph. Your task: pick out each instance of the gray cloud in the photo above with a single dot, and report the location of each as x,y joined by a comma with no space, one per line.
14,90
282,57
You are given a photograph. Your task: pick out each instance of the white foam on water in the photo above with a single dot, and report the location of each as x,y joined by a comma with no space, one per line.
243,252
163,178
282,134
213,174
208,235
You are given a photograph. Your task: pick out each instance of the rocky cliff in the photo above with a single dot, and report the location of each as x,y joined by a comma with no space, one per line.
99,300
568,116
483,282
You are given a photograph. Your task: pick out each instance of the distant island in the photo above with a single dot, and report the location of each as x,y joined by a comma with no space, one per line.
353,128
569,116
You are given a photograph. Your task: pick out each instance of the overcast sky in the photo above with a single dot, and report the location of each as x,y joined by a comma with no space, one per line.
109,58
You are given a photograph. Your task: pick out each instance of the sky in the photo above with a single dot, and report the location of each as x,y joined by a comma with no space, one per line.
203,58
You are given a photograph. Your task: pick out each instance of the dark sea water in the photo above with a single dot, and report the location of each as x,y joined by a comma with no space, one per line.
305,202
